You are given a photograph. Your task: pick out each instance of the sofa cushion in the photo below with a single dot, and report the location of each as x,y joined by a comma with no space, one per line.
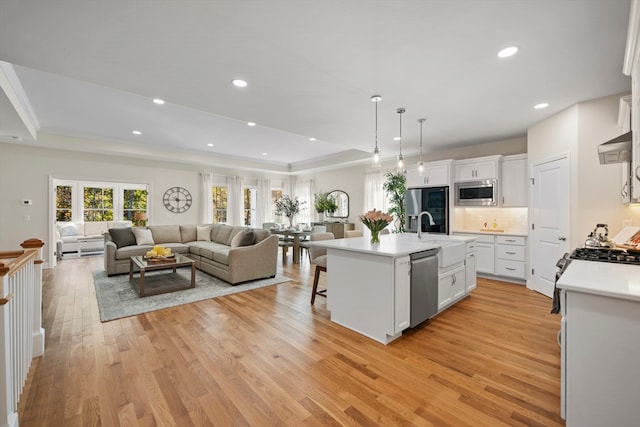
203,233
95,228
224,232
68,230
122,237
135,250
222,256
215,228
188,233
244,238
166,233
143,236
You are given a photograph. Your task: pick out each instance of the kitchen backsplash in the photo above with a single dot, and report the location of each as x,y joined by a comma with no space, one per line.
514,220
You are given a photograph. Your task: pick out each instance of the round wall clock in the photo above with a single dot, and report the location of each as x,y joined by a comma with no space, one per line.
177,199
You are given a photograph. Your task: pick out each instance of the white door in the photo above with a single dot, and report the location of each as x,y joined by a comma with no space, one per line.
550,205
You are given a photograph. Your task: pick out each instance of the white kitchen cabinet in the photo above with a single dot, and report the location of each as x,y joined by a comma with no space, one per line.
600,353
477,168
436,174
485,259
470,266
402,294
451,286
514,181
510,256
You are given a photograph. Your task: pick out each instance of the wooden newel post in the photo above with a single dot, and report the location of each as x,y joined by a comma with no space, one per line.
38,330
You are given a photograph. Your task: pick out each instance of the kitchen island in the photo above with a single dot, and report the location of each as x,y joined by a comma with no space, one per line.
369,285
600,348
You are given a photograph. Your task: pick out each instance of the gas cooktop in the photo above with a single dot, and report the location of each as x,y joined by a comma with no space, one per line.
619,256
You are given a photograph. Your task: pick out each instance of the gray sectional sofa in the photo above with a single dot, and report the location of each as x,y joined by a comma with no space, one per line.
233,254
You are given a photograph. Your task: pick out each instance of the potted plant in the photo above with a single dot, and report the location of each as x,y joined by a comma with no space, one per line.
288,207
323,202
396,186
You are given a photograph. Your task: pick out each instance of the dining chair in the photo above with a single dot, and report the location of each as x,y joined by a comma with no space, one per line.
319,259
353,233
304,244
284,242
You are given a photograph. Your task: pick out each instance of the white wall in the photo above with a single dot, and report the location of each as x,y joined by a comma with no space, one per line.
594,190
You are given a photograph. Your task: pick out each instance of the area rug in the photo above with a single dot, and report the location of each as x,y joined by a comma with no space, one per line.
117,298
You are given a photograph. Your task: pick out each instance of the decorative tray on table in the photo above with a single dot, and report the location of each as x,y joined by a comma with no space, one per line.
169,258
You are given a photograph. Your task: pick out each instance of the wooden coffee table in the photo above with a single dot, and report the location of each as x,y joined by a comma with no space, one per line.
144,265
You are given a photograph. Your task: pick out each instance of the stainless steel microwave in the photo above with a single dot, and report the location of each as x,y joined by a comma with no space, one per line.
476,193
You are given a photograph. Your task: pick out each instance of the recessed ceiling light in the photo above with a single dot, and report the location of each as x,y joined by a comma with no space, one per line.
209,145
136,132
239,83
252,124
396,138
158,101
312,139
264,154
541,105
508,51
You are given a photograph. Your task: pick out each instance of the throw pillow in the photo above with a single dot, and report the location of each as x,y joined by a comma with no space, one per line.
122,237
143,236
244,238
203,233
68,230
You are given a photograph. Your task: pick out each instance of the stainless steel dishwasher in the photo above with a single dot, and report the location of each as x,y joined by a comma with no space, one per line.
424,286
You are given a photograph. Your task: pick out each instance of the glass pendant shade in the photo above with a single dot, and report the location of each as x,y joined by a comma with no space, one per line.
400,166
376,151
420,162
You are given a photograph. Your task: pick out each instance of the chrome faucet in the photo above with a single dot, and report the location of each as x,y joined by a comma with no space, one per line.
420,222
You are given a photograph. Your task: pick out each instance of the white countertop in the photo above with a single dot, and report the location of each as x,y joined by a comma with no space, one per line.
492,233
602,278
394,245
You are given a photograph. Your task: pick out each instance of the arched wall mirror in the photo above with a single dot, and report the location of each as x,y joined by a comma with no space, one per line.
342,200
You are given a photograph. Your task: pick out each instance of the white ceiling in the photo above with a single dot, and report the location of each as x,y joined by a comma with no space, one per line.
90,69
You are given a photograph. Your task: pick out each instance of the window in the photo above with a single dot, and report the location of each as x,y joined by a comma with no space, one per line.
249,196
100,201
134,206
219,197
98,204
63,203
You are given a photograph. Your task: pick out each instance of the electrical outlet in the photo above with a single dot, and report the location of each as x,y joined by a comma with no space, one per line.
27,218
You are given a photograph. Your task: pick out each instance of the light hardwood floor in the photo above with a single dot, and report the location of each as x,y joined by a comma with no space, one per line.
266,357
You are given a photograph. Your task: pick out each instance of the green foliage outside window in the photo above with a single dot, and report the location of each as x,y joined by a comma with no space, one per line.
219,196
63,203
135,206
98,204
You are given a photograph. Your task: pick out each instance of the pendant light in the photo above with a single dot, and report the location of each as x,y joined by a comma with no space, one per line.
400,166
376,151
420,162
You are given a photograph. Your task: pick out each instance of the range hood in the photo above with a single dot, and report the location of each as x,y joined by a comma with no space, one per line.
617,150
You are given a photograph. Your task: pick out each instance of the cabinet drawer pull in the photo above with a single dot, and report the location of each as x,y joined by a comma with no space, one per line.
510,240
510,253
510,269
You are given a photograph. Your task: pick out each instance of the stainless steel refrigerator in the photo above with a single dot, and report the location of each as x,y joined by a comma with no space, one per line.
434,200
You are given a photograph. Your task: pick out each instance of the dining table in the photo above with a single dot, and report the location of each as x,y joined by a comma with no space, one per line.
296,234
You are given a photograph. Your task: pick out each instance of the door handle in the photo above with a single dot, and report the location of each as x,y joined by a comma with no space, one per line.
637,173
562,238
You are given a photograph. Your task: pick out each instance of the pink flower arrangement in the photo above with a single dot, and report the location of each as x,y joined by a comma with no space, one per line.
376,221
